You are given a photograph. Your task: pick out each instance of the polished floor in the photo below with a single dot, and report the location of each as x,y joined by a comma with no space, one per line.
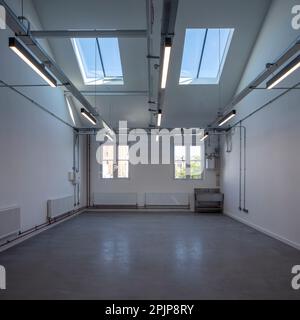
150,256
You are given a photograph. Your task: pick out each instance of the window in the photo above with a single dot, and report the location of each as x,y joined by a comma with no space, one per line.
195,162
99,60
123,162
188,162
180,162
108,162
115,166
204,55
70,111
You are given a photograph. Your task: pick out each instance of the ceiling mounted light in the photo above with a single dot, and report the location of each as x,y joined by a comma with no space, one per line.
284,73
166,62
88,116
205,136
227,117
27,57
109,137
159,115
70,110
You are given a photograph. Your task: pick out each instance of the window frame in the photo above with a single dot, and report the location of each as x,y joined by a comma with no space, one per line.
106,80
115,162
108,160
118,160
188,162
206,80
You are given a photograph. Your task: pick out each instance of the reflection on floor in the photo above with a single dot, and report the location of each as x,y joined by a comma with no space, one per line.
150,256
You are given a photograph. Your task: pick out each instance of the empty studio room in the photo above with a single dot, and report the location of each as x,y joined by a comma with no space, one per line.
149,150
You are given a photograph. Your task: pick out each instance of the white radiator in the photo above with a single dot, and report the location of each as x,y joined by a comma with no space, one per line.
115,199
10,222
167,199
60,206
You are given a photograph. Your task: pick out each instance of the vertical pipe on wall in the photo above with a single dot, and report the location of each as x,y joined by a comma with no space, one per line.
88,171
218,166
240,172
245,166
242,168
74,166
78,168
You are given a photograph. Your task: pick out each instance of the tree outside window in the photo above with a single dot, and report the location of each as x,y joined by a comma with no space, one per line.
188,162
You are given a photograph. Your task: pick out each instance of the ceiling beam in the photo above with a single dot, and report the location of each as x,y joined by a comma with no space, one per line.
270,69
170,8
150,21
23,34
113,93
89,34
169,16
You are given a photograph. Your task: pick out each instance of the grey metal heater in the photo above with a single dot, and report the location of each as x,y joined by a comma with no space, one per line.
208,201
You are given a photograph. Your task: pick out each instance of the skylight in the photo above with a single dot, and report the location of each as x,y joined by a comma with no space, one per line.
204,55
99,61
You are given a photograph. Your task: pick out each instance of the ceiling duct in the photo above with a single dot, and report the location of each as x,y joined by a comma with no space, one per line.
90,34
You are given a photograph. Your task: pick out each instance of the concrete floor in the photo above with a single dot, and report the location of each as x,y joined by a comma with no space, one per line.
150,256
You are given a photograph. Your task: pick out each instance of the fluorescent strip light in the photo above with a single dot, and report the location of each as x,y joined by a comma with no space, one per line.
159,115
284,73
205,136
227,117
166,63
88,116
70,111
109,137
109,132
27,57
106,126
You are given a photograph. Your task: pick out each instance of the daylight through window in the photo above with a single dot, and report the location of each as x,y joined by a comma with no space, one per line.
188,162
204,55
99,60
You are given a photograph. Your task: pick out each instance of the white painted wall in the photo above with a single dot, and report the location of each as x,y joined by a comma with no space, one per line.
36,150
156,178
273,136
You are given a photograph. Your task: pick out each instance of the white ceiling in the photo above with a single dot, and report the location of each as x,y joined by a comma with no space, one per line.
185,106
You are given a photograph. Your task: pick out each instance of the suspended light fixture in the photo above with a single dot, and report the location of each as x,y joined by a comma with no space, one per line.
159,116
88,116
166,62
227,117
27,57
284,73
70,110
205,136
109,137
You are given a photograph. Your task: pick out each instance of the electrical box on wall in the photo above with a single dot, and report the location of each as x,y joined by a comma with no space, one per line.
210,163
71,176
74,177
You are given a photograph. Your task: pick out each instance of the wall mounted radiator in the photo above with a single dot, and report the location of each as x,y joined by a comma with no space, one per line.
10,222
115,199
60,206
167,200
